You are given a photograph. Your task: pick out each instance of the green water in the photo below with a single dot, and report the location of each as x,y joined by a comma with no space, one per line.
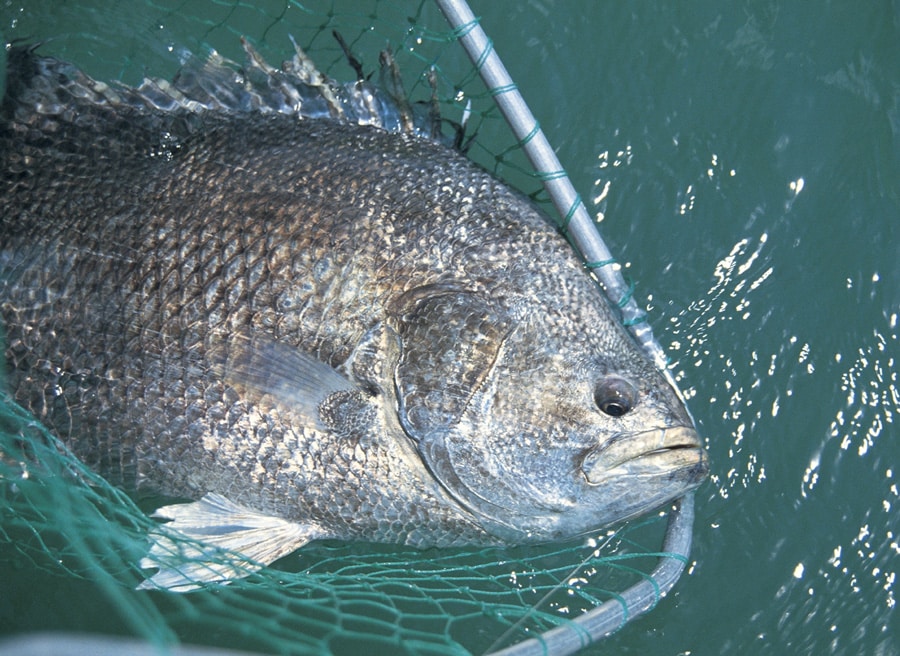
752,156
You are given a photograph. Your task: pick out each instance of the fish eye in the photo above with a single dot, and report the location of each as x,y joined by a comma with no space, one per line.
614,396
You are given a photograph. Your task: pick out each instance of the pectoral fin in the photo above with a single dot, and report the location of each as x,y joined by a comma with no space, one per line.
260,366
214,540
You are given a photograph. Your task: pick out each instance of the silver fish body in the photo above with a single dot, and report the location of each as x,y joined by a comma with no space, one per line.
350,329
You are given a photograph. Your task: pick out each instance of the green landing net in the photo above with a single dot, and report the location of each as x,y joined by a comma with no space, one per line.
70,543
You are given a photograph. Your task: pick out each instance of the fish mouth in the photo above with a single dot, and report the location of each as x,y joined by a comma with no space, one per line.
656,452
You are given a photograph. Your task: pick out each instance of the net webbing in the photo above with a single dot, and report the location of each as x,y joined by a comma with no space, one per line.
64,529
62,520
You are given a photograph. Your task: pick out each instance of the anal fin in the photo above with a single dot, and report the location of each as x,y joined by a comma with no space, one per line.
215,540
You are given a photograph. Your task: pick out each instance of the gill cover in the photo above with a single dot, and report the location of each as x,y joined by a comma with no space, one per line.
452,340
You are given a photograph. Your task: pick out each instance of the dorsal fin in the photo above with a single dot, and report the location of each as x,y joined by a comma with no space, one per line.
216,84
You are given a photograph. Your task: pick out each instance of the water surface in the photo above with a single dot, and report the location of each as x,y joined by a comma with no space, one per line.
745,160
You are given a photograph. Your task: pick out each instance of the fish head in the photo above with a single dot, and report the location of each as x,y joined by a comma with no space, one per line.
543,423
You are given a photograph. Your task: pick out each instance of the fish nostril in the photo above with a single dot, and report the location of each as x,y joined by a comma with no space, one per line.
614,396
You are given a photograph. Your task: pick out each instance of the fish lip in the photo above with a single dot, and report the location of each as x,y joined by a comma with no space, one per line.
662,450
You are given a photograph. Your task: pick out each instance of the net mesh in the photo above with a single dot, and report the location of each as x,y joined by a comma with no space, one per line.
70,542
62,521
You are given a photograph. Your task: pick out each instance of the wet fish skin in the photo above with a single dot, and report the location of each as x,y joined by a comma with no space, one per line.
354,330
